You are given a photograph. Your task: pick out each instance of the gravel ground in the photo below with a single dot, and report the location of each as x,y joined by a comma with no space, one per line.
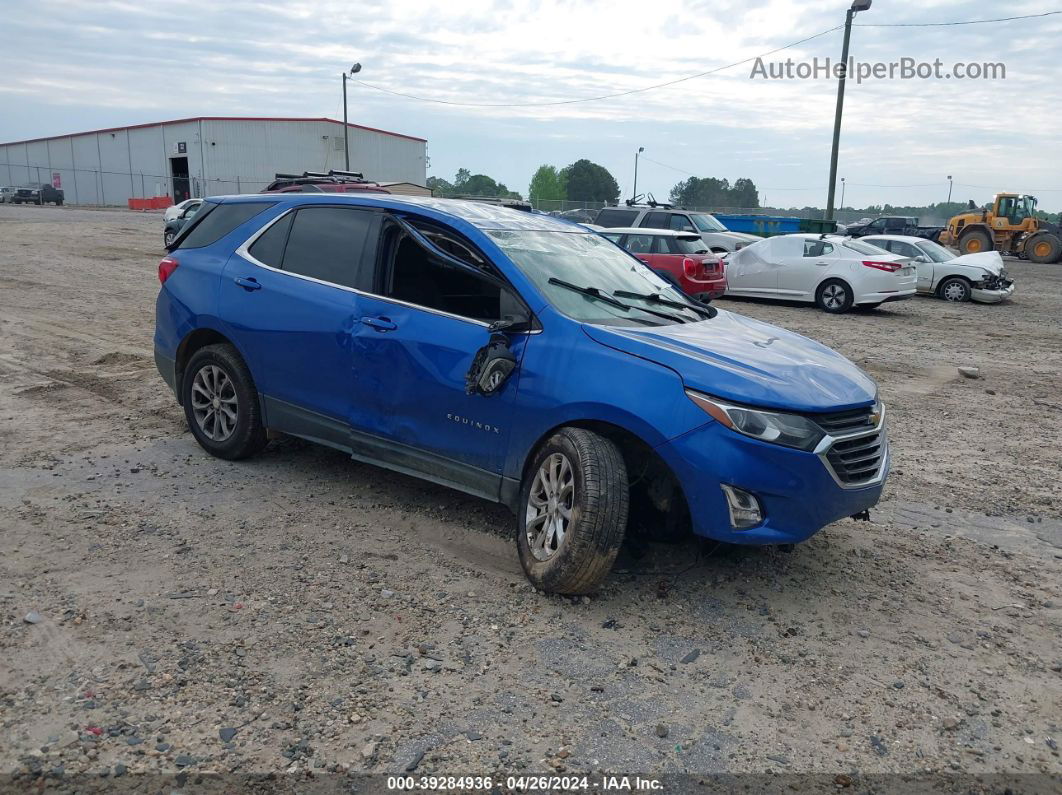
164,611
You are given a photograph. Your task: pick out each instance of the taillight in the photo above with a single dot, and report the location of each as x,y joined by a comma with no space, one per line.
689,267
166,269
888,267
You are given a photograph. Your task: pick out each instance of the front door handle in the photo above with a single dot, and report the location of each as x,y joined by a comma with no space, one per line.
379,323
248,283
823,264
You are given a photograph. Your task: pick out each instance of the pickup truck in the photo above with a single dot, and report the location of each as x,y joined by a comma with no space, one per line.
37,194
894,225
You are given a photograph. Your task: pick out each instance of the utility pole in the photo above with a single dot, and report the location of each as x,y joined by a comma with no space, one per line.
634,193
949,188
857,6
346,146
842,193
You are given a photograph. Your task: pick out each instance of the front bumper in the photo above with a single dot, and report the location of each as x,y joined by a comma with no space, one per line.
797,490
991,296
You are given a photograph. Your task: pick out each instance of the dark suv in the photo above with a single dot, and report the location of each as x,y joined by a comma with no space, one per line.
42,193
516,357
323,182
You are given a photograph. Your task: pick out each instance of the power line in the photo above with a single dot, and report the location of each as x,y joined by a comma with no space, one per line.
706,73
613,95
951,24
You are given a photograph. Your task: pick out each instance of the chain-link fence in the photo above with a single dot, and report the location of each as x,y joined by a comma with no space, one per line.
114,188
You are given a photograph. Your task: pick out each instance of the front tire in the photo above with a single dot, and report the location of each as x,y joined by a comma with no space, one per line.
955,289
834,296
573,512
221,403
167,237
1043,248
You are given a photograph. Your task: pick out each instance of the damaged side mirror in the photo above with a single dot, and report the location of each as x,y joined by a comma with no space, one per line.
491,366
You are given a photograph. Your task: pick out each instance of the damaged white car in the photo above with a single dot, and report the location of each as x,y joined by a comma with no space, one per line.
972,277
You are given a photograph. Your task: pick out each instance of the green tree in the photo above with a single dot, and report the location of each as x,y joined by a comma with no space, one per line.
588,182
547,185
440,187
709,192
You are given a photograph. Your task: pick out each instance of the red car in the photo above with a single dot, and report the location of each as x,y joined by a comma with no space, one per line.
680,257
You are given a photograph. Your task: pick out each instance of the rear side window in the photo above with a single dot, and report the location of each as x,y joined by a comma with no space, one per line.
326,243
615,217
269,248
655,221
214,221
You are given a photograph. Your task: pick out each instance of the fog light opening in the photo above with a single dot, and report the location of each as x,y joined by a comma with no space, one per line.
745,510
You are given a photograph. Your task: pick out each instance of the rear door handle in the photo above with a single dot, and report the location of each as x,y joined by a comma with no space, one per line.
823,264
379,323
247,283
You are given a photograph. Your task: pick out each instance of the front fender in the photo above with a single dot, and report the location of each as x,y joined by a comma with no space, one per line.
567,378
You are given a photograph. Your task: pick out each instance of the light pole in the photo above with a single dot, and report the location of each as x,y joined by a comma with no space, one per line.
857,6
842,193
634,193
346,149
949,188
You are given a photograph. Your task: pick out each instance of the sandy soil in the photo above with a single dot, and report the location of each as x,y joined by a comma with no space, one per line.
301,612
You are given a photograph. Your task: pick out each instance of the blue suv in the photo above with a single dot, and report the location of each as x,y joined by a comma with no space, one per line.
515,357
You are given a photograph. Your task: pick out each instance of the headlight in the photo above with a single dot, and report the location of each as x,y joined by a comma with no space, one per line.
790,430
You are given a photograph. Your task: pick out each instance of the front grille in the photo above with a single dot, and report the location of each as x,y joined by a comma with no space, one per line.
857,460
839,423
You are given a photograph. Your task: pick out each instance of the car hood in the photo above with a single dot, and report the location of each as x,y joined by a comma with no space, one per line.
744,236
741,359
990,261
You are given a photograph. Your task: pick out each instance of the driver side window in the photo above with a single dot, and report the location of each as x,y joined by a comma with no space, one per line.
414,275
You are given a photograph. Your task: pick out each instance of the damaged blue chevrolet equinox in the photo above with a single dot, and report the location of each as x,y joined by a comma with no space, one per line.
515,357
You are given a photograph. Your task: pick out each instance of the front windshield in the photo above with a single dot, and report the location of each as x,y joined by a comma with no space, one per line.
588,260
936,252
707,223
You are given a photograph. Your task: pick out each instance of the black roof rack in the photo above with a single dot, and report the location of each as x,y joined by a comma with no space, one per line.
332,175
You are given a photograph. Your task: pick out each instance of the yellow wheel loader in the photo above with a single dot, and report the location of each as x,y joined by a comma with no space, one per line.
1008,226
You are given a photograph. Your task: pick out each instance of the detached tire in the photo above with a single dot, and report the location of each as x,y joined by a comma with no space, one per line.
955,289
834,296
221,403
573,512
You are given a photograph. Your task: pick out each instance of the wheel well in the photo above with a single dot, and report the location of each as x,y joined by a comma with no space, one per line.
824,282
947,279
658,506
199,338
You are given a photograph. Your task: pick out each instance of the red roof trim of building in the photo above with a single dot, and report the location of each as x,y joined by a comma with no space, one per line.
214,118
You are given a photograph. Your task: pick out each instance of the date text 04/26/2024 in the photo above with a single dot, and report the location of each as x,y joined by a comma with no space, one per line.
523,784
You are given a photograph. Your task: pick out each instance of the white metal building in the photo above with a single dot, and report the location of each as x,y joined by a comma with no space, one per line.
205,156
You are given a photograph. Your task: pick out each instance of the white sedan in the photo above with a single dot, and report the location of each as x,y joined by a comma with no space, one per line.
834,272
971,277
175,210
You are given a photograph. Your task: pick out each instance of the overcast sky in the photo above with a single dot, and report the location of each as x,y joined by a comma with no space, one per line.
71,66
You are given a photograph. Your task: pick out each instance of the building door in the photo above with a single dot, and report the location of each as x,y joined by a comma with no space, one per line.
179,174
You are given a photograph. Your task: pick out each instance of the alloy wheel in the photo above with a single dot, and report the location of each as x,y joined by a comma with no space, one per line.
549,506
214,403
833,296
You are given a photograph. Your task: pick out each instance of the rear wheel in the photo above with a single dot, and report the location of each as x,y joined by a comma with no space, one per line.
834,296
955,289
975,241
168,237
573,512
221,403
1043,247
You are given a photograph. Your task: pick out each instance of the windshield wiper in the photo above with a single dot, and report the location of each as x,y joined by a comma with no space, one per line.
656,298
601,295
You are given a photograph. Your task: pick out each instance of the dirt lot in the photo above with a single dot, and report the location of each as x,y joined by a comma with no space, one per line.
301,612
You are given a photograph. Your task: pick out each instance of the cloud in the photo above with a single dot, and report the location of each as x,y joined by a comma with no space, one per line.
125,62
